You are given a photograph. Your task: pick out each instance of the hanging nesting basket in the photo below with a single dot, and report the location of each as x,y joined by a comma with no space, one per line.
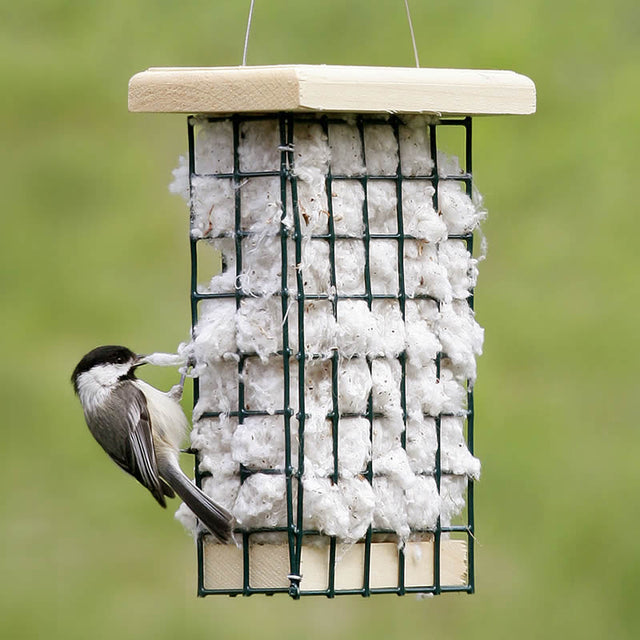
336,347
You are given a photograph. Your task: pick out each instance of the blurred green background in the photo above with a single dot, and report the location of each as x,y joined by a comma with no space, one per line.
94,250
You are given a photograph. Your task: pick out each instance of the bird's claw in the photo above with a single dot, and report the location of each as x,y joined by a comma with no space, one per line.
178,389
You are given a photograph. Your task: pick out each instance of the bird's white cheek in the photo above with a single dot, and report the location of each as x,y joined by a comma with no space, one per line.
91,391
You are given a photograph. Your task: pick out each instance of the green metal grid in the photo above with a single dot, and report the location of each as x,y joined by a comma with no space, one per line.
294,530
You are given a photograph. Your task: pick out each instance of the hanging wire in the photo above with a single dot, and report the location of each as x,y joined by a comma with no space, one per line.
246,35
248,31
413,37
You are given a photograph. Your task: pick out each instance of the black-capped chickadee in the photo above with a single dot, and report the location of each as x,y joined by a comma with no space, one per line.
141,428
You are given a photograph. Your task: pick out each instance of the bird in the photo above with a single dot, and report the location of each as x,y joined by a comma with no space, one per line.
141,429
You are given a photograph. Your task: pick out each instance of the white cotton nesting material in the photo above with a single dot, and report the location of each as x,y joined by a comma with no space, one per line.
424,274
426,393
423,503
260,276
165,359
264,385
349,257
213,436
390,510
383,267
354,446
347,200
421,342
461,268
390,337
461,338
319,328
382,203
218,387
259,325
452,497
259,145
261,209
315,267
345,146
352,367
455,457
223,487
421,219
356,328
421,443
414,147
382,150
210,202
354,385
214,151
262,501
215,333
258,443
385,391
344,510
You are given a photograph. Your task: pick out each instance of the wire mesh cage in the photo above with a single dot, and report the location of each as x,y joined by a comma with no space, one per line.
335,349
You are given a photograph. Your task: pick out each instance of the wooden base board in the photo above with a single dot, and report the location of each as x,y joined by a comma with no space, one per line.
269,566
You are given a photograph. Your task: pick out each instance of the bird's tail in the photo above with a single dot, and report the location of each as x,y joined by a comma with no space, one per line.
216,518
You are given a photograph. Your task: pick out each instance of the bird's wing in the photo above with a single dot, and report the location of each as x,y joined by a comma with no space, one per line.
138,456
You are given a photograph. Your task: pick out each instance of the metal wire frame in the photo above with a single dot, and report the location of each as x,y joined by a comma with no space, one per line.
294,529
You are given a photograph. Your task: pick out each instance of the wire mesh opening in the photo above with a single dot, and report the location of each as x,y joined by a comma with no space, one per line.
376,239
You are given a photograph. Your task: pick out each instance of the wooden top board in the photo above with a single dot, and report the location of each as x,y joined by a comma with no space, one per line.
304,88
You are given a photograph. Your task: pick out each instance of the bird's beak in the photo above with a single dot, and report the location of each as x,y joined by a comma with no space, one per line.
140,360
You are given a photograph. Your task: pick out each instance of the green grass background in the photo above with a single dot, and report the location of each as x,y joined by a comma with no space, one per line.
94,250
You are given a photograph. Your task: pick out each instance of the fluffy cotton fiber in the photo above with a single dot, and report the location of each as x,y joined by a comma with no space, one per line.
346,369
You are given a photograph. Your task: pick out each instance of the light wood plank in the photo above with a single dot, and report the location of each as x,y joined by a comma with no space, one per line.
269,566
329,88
